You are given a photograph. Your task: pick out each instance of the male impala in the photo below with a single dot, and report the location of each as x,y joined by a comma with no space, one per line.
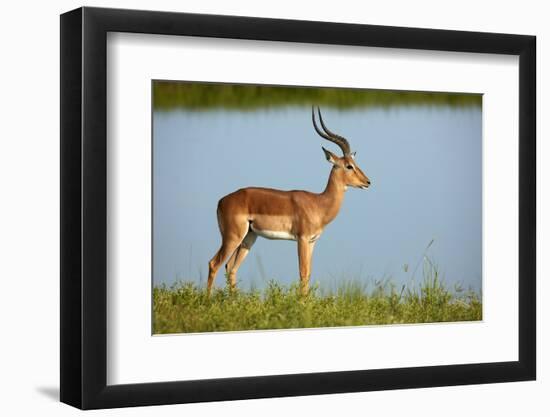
292,215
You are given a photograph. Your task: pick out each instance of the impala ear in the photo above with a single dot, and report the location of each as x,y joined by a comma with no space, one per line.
353,155
330,156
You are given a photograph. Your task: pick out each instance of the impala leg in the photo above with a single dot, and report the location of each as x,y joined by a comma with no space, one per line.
305,250
230,244
238,256
221,255
231,260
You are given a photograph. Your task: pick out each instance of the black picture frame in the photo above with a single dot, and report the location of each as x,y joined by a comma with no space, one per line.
84,207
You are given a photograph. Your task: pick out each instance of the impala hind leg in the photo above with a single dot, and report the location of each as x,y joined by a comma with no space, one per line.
230,242
238,256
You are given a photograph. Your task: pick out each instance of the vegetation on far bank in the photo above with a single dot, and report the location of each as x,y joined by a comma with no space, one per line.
168,95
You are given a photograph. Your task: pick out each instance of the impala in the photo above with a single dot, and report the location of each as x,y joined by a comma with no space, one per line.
291,215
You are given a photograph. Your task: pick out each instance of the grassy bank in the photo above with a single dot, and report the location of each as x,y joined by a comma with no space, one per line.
185,307
169,95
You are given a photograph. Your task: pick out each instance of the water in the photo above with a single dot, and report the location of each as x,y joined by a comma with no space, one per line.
424,163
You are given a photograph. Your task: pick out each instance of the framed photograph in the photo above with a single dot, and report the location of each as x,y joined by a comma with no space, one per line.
257,208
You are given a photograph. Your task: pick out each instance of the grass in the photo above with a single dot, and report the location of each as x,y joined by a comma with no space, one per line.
169,95
186,308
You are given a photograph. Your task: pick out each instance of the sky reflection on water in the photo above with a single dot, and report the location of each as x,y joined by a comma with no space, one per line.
424,163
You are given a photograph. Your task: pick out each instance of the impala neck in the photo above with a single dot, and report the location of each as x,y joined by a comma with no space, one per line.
333,195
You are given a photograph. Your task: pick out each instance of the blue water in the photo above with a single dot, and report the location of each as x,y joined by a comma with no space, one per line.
424,163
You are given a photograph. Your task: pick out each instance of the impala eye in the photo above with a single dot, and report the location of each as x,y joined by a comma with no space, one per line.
349,167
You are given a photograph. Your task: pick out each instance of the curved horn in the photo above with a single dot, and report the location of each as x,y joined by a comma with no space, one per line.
319,132
333,137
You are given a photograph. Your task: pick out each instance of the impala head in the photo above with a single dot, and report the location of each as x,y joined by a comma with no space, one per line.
352,174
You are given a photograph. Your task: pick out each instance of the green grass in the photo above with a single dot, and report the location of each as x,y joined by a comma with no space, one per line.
185,307
168,95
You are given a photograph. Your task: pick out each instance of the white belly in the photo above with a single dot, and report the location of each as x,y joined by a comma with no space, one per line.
273,234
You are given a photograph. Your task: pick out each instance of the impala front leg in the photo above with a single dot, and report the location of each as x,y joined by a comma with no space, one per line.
305,250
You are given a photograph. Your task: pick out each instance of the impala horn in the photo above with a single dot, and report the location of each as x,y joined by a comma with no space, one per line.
330,136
